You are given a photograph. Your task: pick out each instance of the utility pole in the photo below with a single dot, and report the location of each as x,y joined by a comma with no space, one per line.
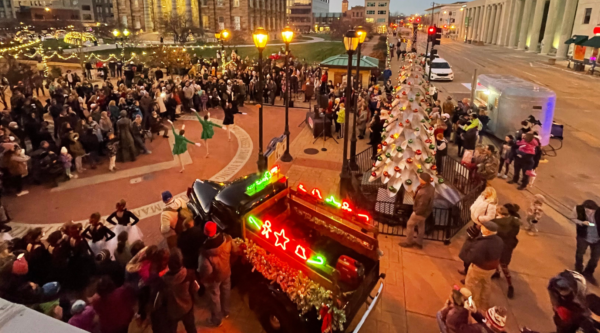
473,86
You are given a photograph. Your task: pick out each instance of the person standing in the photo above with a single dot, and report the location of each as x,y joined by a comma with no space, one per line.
524,159
181,143
127,151
509,225
214,270
125,221
586,217
484,256
422,208
179,286
169,217
189,242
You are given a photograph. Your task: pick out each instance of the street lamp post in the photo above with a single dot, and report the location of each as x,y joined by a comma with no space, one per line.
362,35
350,43
260,37
222,36
125,34
287,35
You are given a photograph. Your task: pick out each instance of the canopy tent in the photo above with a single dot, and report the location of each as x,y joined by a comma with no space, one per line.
577,40
592,42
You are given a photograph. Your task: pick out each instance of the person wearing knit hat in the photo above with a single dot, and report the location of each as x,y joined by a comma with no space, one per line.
20,266
422,208
495,319
484,255
454,314
534,214
214,271
169,217
83,316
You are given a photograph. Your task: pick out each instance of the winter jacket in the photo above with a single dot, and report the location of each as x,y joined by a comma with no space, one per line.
189,242
177,293
482,210
423,205
527,147
341,116
470,139
487,166
214,260
84,320
454,317
170,216
581,213
485,252
535,211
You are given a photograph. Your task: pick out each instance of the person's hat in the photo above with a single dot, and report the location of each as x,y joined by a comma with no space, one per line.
20,266
63,150
491,226
103,255
425,176
77,307
166,196
457,297
210,228
496,318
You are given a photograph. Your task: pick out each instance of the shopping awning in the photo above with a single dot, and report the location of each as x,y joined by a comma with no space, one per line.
577,40
593,42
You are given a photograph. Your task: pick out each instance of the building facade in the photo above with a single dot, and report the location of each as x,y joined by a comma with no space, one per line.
6,11
356,14
211,15
61,10
322,21
587,18
448,17
541,26
377,12
301,13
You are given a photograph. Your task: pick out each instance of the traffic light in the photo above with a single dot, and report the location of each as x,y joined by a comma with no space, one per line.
435,37
431,31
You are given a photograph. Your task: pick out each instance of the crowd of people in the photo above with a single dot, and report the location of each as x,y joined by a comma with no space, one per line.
109,281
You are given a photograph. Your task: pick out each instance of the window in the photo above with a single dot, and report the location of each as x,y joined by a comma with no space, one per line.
382,12
440,65
236,3
379,20
370,20
86,7
2,14
452,20
204,3
87,17
221,23
252,23
251,3
370,4
449,13
587,16
382,4
237,25
37,16
205,21
370,12
219,3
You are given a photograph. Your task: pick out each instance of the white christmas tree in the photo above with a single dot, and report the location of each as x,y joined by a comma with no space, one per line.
408,146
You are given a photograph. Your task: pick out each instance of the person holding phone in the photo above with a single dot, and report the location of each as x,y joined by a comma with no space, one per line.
586,217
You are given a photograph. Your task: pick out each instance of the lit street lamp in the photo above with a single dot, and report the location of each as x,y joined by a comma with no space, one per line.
351,40
222,36
260,38
287,34
362,35
124,35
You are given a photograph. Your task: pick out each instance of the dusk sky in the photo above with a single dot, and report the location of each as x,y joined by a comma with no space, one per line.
402,6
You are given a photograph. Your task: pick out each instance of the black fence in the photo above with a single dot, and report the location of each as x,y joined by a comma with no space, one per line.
392,214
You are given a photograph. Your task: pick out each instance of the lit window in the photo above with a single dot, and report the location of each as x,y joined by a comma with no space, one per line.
205,21
370,20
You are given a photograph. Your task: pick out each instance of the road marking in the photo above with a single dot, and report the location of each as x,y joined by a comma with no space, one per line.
530,74
242,156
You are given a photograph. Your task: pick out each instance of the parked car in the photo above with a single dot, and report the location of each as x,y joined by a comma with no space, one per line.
440,70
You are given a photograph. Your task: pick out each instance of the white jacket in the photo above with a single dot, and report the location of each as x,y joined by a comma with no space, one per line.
482,210
169,217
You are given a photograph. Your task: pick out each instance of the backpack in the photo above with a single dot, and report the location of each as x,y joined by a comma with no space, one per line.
183,215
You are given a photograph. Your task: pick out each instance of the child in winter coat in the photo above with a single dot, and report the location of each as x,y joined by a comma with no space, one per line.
84,316
66,159
506,155
112,146
535,213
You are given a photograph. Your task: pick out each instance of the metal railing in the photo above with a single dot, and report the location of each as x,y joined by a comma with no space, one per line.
391,216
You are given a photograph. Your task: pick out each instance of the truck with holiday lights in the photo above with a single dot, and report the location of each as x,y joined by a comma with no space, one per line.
308,262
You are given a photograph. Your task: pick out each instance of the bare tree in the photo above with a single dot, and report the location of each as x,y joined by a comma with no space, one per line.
179,26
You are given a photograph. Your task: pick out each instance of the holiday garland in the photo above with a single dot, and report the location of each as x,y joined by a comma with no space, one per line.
301,290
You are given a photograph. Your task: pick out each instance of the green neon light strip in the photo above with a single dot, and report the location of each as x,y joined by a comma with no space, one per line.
316,260
259,184
331,201
255,222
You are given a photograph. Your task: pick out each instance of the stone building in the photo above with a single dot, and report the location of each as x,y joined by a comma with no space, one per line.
541,26
378,13
302,12
211,15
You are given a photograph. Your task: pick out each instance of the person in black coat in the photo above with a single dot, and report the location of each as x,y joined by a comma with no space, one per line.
106,266
509,225
586,217
375,136
91,144
189,241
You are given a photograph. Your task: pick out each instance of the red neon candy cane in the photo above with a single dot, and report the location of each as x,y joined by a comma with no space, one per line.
301,188
316,193
365,216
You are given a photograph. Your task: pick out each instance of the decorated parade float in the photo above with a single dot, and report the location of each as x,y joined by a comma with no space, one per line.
308,261
388,178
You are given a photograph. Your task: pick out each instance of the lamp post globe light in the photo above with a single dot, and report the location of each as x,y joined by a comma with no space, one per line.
260,37
287,34
124,35
362,35
351,40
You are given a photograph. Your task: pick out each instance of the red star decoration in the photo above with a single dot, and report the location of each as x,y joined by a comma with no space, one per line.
282,235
